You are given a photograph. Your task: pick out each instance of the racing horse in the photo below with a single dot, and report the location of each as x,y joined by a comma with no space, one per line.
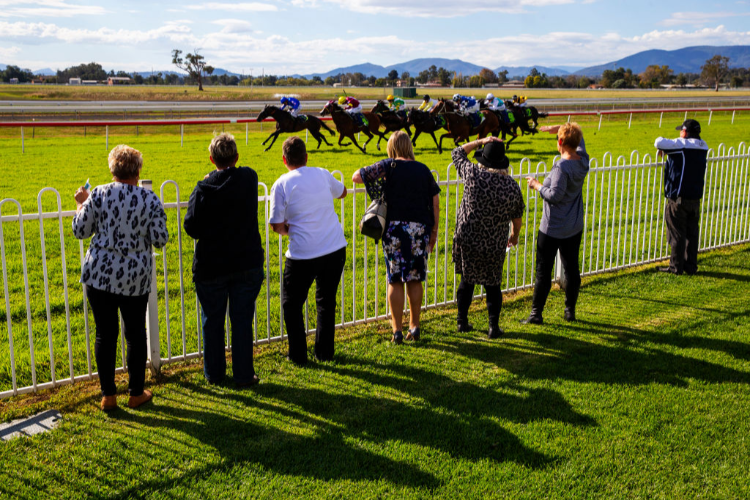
506,128
347,126
459,127
389,119
286,123
426,123
522,117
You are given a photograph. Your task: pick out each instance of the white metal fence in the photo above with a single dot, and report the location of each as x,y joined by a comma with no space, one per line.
48,325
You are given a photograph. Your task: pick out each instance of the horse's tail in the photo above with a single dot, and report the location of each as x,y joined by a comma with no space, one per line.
323,124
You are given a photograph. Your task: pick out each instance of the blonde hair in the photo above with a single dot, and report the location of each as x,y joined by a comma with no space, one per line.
399,146
125,162
223,150
570,134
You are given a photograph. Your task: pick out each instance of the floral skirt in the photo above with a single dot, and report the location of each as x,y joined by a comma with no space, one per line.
405,251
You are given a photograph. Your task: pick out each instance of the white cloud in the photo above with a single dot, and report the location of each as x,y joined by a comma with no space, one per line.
697,18
235,7
36,33
434,8
46,8
234,26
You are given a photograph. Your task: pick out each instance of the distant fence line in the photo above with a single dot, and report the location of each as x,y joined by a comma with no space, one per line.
623,227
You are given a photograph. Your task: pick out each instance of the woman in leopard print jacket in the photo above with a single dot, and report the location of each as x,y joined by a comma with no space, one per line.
491,201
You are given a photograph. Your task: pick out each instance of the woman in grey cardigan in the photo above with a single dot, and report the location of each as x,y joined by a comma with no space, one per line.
562,219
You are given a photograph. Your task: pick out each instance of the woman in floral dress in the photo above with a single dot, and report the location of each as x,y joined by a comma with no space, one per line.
413,199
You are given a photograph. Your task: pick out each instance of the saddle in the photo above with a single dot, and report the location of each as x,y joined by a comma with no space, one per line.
475,119
302,118
504,116
360,119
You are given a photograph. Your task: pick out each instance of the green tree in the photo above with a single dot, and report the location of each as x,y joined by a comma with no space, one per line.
487,75
681,80
194,64
392,76
502,76
443,76
736,82
714,70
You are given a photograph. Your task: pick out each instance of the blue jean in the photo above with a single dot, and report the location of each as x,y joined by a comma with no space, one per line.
241,290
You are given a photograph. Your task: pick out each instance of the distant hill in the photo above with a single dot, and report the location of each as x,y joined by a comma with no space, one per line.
45,72
686,60
414,67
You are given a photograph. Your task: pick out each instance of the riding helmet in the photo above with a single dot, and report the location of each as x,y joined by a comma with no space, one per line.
342,100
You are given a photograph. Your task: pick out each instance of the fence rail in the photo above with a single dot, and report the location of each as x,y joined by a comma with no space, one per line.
48,324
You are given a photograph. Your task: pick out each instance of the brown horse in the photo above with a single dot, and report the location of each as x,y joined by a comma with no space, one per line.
347,126
426,123
286,123
459,126
389,119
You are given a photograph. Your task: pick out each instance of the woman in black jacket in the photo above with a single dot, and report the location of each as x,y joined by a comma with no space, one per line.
228,262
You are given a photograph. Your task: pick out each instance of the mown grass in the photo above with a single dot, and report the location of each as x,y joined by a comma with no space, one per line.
646,396
54,158
220,93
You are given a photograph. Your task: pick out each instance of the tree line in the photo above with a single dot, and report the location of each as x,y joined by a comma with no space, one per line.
714,72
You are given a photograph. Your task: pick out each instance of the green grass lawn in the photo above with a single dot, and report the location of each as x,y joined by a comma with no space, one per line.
646,396
64,159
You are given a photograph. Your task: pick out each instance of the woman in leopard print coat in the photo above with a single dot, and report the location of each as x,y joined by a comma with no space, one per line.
491,201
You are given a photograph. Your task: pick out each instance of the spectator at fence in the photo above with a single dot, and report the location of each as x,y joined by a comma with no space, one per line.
228,261
684,178
126,221
562,220
491,201
413,199
302,208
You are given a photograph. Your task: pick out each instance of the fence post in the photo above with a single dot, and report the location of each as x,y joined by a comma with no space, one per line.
152,312
23,147
182,132
660,118
733,112
106,134
600,121
710,114
630,120
246,126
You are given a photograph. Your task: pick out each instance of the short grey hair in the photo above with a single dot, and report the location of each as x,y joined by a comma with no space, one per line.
125,162
223,150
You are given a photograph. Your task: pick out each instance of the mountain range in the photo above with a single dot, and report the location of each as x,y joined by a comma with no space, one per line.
685,60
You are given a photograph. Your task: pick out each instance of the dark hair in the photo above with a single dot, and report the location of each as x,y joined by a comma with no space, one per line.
223,150
294,151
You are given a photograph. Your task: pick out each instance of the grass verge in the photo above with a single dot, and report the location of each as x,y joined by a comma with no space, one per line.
646,396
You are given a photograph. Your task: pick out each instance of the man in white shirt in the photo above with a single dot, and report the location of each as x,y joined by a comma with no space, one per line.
302,208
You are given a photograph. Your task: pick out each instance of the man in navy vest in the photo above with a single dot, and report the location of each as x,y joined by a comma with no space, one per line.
684,177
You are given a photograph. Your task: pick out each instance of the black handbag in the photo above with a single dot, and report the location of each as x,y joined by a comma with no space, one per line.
372,224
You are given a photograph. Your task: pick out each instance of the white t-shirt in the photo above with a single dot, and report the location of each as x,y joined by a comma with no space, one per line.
303,198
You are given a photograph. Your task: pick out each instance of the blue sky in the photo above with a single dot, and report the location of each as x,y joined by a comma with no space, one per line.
302,36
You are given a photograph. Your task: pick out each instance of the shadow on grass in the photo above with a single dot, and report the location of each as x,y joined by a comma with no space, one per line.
455,418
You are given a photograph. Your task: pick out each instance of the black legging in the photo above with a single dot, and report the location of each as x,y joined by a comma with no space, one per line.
546,249
465,293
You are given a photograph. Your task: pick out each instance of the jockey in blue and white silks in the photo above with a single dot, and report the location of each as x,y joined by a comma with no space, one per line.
291,103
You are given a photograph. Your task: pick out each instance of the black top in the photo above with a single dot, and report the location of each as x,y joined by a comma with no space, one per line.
409,189
223,216
685,171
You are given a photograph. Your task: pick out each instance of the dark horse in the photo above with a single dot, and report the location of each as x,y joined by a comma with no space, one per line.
423,121
504,127
459,127
347,127
287,124
522,117
389,119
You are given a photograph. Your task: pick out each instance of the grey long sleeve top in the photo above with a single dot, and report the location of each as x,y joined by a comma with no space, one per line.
561,190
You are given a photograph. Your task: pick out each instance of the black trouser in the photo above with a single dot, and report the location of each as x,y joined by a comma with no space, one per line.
298,277
104,306
683,232
546,250
465,293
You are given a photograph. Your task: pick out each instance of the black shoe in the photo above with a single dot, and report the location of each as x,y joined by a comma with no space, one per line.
244,385
298,363
569,314
413,334
464,326
670,270
495,332
533,320
398,338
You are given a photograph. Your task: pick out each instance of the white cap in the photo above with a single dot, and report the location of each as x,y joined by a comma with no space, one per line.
490,96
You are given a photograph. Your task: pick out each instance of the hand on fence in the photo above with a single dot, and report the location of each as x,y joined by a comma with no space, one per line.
533,183
513,240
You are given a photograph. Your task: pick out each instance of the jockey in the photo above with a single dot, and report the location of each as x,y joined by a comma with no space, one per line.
396,102
427,104
291,103
494,103
351,105
522,101
469,104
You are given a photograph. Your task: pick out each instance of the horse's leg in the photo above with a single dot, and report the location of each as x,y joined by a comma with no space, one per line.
408,130
414,137
275,136
507,144
354,141
369,138
440,149
272,134
440,144
317,136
